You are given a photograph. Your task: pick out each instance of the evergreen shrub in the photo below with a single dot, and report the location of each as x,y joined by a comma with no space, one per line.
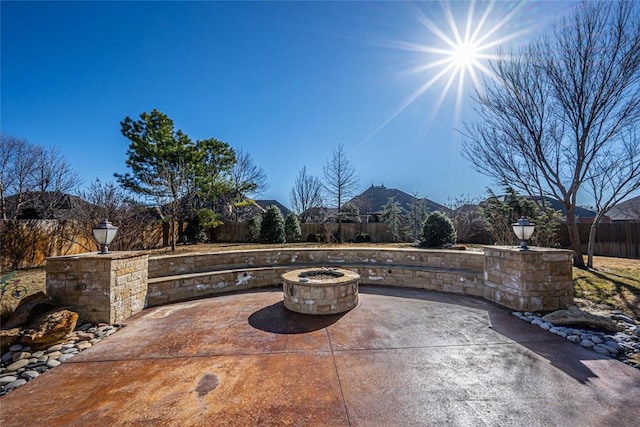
437,231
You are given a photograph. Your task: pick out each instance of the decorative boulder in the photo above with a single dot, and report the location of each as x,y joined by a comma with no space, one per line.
574,316
28,310
50,329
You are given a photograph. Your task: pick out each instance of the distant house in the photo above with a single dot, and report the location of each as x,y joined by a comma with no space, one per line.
372,201
628,210
264,204
48,205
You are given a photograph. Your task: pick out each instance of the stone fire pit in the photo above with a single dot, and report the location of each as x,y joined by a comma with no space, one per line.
320,290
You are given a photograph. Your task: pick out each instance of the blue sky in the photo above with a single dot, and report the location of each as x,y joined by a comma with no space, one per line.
286,81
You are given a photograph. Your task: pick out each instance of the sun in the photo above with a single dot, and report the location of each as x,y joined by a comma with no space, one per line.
466,56
456,52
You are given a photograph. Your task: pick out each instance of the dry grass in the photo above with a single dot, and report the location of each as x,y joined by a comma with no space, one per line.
613,284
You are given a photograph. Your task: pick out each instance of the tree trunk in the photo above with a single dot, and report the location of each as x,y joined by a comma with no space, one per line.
574,238
592,239
173,234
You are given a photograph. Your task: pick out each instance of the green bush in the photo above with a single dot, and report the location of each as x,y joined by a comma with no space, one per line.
292,229
272,227
363,237
437,231
253,228
197,226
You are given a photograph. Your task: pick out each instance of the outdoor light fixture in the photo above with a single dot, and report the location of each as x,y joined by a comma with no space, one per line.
104,234
523,229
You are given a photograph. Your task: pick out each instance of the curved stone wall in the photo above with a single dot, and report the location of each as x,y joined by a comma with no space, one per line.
114,286
179,277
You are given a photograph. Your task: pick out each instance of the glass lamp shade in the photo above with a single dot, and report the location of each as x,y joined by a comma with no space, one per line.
104,234
523,230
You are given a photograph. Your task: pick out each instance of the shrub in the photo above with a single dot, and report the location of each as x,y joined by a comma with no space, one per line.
437,231
292,229
196,229
272,227
363,237
253,228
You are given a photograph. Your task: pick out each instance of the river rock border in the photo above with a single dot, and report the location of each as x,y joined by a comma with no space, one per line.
20,364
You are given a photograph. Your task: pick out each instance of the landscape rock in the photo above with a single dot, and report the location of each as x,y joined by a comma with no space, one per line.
31,365
574,316
51,329
29,309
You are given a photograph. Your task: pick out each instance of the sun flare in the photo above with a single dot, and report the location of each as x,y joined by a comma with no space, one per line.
465,55
456,52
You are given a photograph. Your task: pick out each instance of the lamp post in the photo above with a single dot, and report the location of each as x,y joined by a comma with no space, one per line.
104,234
523,229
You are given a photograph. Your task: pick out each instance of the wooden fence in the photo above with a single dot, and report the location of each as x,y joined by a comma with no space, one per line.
620,239
378,232
617,239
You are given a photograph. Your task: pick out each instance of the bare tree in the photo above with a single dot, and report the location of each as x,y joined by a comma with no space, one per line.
561,106
306,194
466,217
612,177
137,228
54,179
247,179
35,175
340,179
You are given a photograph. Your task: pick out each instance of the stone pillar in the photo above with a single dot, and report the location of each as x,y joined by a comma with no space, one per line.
538,279
99,287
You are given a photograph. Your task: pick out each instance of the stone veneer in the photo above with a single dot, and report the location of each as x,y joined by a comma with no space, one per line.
111,287
539,279
99,287
320,291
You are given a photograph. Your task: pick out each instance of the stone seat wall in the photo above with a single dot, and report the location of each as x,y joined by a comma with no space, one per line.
112,287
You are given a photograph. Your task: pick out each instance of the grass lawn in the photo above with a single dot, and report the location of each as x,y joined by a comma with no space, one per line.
614,283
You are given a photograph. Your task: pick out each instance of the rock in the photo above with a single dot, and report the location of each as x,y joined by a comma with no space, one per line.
52,363
574,316
65,357
83,345
587,343
29,375
21,355
7,357
8,379
29,309
599,348
596,339
17,365
8,338
56,347
85,336
622,317
573,338
16,347
54,354
51,329
15,384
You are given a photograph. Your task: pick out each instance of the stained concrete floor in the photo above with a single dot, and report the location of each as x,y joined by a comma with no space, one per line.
403,357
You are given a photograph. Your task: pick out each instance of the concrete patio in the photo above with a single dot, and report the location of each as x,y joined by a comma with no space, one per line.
402,357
